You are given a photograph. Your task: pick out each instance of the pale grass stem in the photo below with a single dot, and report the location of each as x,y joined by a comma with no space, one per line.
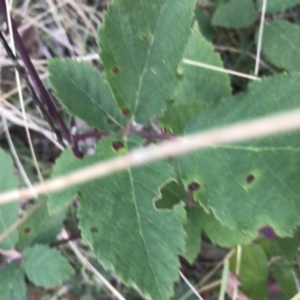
209,275
241,131
260,37
99,278
195,292
21,99
218,69
237,270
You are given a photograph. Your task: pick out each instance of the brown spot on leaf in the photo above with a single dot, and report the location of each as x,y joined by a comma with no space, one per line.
94,229
250,178
125,111
117,145
27,230
193,186
115,70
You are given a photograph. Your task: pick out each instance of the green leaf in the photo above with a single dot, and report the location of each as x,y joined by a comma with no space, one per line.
253,271
204,23
118,218
232,180
8,212
199,87
221,235
178,115
289,246
82,90
199,84
235,14
40,228
274,6
142,43
281,44
199,221
193,229
59,200
285,279
46,267
12,283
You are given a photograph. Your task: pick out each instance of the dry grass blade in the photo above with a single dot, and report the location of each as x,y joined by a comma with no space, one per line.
242,131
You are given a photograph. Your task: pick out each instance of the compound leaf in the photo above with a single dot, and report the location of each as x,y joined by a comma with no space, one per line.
274,6
118,218
46,267
140,65
12,283
281,44
8,212
232,180
82,90
235,14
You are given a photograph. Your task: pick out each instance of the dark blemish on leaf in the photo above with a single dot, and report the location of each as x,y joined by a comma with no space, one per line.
125,111
193,186
268,233
118,145
27,230
115,70
250,178
94,230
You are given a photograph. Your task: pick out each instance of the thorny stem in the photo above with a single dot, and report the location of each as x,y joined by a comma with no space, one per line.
43,94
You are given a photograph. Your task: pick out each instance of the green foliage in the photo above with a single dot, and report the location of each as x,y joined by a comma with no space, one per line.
253,271
9,211
235,200
235,14
198,88
197,84
40,228
140,220
12,283
46,267
288,247
285,279
135,48
142,241
281,44
84,93
274,6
